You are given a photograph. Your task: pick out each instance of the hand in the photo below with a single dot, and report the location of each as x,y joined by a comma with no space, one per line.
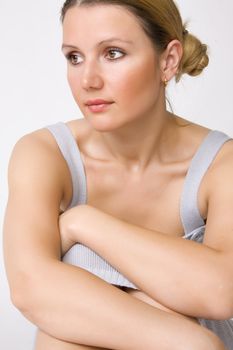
70,225
67,241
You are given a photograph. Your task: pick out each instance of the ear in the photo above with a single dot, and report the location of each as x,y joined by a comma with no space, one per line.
170,59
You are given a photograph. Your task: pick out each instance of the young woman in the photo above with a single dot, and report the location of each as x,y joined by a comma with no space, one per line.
118,227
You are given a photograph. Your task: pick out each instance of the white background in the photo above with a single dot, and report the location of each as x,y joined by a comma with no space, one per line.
34,93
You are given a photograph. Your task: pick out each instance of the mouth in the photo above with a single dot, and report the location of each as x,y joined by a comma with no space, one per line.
100,107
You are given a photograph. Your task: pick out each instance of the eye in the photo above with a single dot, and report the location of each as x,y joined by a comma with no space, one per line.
111,50
72,58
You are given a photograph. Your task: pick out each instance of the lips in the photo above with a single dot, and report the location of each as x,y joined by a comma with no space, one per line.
103,107
97,102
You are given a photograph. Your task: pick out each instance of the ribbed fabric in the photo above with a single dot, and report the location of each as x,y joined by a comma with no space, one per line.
70,151
222,328
81,255
189,212
194,225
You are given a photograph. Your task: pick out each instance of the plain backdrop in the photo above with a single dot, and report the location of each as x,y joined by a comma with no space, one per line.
34,93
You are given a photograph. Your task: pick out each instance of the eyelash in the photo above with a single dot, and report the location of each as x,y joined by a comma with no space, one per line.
72,54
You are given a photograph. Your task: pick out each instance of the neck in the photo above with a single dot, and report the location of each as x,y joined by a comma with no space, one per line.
139,143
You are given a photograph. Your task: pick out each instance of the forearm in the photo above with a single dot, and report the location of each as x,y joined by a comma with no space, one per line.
59,301
183,275
44,341
74,305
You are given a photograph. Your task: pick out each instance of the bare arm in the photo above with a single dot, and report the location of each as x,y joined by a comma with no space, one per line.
58,298
191,278
64,301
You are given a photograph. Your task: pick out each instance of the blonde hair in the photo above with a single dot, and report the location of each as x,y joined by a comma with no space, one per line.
162,22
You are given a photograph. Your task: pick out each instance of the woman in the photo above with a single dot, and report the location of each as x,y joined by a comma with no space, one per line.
123,196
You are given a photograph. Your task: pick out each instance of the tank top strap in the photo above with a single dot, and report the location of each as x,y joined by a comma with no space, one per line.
189,211
71,153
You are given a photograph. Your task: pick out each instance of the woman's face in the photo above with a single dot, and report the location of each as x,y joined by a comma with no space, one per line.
124,70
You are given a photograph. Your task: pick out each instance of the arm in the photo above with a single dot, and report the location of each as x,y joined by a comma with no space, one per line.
173,269
58,298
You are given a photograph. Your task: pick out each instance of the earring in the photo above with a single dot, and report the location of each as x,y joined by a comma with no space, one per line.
165,82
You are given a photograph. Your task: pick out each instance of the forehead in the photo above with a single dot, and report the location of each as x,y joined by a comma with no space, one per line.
101,21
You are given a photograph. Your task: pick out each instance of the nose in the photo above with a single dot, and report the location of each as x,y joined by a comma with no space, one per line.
91,76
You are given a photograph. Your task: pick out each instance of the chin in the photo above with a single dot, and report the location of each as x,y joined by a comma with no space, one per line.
102,123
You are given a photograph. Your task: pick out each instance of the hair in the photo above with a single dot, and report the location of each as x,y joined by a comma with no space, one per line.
162,23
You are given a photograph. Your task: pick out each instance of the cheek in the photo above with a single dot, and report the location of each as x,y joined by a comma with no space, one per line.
72,79
138,84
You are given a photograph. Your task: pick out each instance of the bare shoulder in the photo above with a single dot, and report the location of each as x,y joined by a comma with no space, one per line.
35,141
36,154
222,165
221,168
38,172
220,173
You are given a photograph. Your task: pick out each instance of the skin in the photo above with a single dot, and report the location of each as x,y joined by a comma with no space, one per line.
121,172
135,77
131,77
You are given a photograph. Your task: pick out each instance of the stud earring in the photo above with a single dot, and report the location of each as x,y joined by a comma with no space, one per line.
165,82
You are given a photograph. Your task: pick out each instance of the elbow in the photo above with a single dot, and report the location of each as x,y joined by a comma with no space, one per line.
19,300
21,294
32,293
26,308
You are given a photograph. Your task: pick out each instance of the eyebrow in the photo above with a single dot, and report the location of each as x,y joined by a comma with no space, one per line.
100,43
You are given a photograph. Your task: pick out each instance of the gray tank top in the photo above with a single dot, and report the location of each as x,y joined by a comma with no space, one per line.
194,225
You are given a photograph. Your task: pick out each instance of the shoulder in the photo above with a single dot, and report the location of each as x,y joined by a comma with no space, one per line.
35,160
220,173
223,160
221,170
222,163
36,145
221,166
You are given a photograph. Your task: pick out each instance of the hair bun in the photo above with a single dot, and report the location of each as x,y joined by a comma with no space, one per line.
195,58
